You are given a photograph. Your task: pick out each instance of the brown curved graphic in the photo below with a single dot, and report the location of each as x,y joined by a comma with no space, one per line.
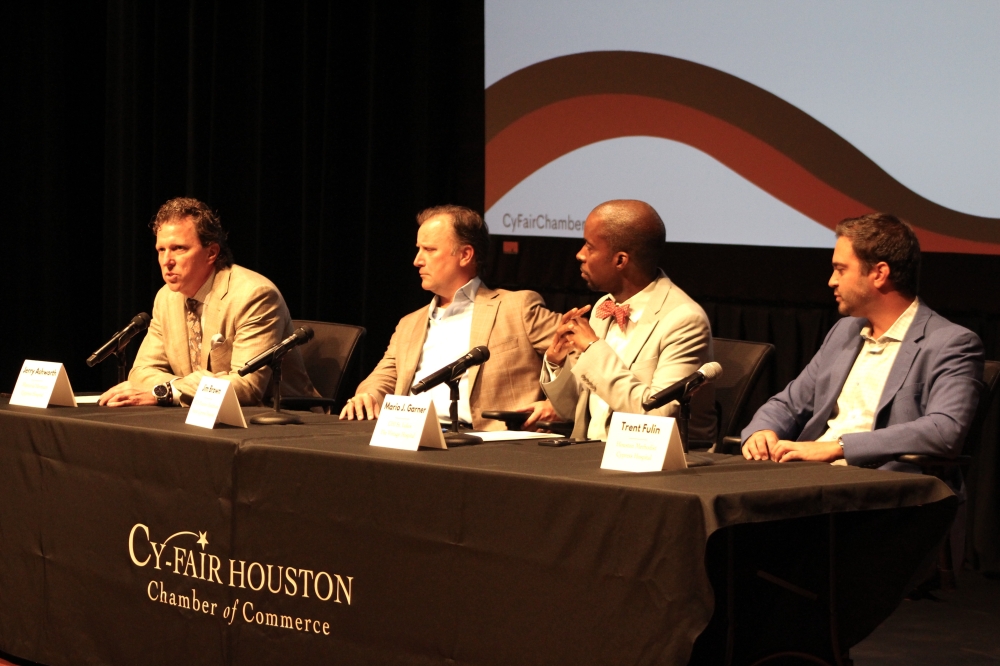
549,109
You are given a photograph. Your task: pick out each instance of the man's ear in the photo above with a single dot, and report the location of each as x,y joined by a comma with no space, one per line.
621,260
880,275
466,254
213,252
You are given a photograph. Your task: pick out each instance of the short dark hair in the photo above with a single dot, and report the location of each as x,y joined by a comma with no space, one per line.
635,228
470,229
206,223
880,237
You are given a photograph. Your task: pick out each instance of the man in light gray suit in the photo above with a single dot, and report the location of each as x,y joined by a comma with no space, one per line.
643,336
892,377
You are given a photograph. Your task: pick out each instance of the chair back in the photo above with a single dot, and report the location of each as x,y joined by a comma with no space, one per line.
328,355
991,377
742,363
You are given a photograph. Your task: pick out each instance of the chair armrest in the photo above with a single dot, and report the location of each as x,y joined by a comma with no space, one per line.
730,444
930,462
307,402
558,427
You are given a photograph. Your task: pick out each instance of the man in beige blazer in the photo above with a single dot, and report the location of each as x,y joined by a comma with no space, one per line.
452,242
210,318
642,337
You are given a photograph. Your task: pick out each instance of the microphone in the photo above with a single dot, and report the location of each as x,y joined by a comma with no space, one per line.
139,323
453,370
685,387
300,336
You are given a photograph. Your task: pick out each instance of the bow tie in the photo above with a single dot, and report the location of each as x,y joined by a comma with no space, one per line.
609,308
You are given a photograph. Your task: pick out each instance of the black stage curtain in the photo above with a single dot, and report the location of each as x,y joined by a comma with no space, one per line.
318,130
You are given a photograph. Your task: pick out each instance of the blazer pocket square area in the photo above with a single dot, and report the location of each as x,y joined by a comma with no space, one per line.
911,389
221,356
502,345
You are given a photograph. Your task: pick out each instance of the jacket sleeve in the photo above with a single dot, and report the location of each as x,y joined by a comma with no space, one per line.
564,390
540,323
788,412
382,380
932,416
151,366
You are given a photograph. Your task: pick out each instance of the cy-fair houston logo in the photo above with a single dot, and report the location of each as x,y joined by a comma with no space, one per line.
187,557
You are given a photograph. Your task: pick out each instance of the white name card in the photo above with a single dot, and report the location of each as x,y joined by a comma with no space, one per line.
408,422
215,402
641,443
41,384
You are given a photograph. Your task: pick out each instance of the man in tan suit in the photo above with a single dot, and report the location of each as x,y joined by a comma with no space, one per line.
452,242
210,318
642,337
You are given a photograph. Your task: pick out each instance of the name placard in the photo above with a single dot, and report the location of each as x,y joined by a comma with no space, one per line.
641,443
41,384
215,402
408,422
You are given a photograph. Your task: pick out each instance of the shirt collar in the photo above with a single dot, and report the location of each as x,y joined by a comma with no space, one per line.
202,294
465,295
899,327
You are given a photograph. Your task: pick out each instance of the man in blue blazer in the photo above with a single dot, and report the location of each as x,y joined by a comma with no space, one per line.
892,377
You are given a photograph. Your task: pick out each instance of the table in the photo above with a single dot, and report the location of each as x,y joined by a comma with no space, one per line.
130,537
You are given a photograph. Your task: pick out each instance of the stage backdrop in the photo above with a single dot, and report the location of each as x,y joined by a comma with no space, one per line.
318,130
746,123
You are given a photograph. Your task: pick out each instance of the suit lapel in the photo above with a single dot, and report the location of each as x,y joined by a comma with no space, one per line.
600,326
409,351
484,315
647,322
212,314
908,349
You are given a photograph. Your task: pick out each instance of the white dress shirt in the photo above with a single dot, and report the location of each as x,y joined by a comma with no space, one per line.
855,411
449,330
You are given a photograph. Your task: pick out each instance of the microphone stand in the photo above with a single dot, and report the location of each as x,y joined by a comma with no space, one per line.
120,357
453,437
277,417
683,418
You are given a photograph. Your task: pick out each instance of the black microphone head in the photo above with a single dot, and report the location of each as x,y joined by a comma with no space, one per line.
305,333
479,354
141,321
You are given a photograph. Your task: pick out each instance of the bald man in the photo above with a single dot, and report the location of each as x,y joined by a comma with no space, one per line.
641,337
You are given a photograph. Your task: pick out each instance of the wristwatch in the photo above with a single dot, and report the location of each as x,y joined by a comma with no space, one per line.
164,394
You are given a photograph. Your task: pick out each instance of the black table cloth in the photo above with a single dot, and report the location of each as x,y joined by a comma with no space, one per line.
130,537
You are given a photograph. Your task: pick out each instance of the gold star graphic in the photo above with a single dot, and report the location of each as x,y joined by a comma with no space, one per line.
202,539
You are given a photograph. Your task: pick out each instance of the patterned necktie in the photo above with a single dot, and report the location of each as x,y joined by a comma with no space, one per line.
609,308
194,332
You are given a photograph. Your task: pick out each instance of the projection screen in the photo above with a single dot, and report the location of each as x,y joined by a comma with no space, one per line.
750,123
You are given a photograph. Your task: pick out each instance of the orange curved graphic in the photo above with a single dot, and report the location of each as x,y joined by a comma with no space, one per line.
549,109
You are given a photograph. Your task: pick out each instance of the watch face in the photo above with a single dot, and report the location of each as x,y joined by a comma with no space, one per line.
161,390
